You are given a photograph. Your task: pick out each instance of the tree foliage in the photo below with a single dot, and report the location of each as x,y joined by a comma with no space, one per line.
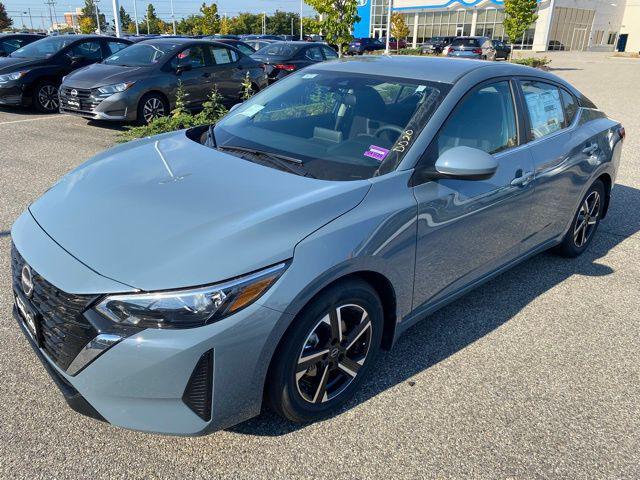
399,28
87,19
5,21
518,17
151,23
125,20
338,18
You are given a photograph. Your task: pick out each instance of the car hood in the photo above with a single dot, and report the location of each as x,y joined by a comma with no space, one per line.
98,75
166,212
11,64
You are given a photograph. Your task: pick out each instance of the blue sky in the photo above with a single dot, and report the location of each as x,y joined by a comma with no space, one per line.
182,8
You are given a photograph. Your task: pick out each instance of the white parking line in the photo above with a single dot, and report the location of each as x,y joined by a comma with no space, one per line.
32,119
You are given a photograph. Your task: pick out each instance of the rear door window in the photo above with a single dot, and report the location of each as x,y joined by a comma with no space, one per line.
194,56
89,51
223,56
329,53
114,47
314,54
544,107
570,106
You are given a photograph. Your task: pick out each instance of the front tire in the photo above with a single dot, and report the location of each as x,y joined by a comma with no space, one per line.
45,97
327,353
150,107
585,222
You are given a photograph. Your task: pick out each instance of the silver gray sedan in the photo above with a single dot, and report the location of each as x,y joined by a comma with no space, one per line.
177,283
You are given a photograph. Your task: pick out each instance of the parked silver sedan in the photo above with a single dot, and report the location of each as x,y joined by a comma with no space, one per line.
176,283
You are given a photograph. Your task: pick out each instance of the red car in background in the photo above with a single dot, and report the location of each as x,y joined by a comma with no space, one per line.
394,44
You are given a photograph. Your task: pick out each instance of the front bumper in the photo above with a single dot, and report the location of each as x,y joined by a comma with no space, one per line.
140,383
12,94
119,107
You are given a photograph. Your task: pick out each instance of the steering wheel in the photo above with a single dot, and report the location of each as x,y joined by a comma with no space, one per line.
389,128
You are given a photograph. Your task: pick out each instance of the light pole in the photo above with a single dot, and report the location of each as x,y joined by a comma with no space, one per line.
116,18
30,18
173,18
301,19
386,49
95,2
135,16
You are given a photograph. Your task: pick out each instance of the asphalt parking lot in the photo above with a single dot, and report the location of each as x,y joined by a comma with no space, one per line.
535,374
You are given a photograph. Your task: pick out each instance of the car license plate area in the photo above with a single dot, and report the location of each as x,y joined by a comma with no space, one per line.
75,104
29,317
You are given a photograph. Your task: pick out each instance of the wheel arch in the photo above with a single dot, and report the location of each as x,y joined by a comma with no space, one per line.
605,178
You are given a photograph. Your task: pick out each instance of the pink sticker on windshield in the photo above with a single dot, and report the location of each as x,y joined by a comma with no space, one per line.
376,152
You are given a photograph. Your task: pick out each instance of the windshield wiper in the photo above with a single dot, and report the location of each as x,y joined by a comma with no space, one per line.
282,161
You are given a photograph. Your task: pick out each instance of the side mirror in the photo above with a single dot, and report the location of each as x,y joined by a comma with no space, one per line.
466,163
183,67
234,107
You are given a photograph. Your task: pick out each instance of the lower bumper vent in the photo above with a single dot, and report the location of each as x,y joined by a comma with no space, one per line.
197,395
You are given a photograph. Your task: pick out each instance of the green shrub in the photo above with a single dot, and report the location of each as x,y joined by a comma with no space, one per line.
180,117
534,62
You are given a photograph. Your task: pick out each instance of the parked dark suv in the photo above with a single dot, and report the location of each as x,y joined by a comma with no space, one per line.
31,75
282,58
361,46
436,44
10,42
140,82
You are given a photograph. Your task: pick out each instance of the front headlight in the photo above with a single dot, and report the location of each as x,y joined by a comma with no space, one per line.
12,76
189,308
116,88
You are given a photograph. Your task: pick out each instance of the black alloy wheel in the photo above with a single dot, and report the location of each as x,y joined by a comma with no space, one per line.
45,97
327,353
585,222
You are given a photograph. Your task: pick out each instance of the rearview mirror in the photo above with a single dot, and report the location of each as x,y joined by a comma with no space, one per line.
466,163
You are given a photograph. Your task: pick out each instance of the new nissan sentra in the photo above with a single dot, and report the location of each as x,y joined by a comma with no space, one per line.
176,283
139,83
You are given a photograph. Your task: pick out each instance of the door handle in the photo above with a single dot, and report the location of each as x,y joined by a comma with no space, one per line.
523,179
591,149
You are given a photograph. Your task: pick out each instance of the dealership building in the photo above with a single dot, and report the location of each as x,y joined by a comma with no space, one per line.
595,25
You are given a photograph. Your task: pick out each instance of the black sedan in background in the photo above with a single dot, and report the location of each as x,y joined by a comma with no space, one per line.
140,82
282,58
258,43
10,42
31,75
239,44
436,45
360,46
502,49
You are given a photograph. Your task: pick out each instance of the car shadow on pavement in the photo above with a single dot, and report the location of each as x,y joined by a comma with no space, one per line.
562,69
116,126
478,313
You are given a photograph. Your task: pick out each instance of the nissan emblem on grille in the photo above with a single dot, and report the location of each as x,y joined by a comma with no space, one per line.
26,279
74,92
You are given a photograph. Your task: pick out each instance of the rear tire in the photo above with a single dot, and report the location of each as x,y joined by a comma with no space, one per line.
45,97
585,222
151,106
327,353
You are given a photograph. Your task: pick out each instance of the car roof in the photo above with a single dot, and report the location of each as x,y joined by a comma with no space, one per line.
434,69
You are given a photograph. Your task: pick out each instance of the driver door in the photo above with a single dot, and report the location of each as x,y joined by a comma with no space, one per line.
469,228
196,79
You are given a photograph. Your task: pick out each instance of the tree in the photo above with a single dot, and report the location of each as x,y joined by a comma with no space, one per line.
338,17
246,22
225,26
209,21
5,21
151,23
310,26
280,23
87,19
518,17
399,28
125,20
189,26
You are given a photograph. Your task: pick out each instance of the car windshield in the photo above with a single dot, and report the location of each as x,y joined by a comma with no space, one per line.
44,48
340,126
465,42
278,50
141,54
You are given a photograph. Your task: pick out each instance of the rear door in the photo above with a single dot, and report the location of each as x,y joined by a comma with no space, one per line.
566,149
469,228
226,71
